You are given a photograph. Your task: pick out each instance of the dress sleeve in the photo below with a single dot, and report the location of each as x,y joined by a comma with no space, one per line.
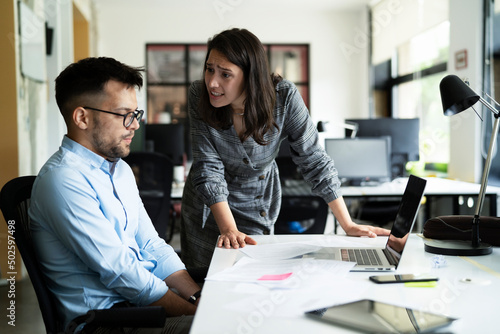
207,171
316,166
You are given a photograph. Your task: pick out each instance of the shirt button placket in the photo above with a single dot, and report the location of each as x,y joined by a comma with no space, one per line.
261,178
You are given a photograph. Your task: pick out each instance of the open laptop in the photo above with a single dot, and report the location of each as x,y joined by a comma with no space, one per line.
387,258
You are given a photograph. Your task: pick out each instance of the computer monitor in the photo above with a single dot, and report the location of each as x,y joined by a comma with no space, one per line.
361,161
404,133
288,169
167,139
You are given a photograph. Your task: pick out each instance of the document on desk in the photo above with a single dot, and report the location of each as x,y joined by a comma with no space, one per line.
315,292
287,273
279,251
288,250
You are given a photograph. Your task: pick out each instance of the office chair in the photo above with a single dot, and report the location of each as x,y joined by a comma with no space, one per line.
14,203
168,139
377,212
154,176
300,212
310,212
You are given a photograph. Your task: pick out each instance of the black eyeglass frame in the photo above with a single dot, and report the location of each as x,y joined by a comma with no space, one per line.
137,114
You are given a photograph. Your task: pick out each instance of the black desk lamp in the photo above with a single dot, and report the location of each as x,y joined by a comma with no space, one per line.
456,97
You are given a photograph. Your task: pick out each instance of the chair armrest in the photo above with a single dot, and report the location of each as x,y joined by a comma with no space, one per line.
130,317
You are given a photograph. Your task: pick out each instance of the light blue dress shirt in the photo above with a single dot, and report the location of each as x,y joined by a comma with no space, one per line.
95,242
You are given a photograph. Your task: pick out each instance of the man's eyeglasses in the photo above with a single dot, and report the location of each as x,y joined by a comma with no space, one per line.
128,118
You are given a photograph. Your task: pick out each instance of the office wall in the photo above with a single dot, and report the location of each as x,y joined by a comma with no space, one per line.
466,24
339,78
8,134
31,126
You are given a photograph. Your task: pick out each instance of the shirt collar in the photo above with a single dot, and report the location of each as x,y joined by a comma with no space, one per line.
94,159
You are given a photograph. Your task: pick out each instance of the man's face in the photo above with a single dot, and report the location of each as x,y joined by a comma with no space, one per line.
109,138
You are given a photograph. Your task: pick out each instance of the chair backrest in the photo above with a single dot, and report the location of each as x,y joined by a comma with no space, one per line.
311,212
154,174
168,139
14,203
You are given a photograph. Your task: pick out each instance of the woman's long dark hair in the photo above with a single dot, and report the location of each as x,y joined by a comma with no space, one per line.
244,49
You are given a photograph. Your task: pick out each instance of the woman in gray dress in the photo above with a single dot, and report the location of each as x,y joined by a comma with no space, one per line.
239,115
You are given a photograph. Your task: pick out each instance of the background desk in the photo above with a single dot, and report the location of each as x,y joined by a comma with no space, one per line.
436,188
444,196
476,304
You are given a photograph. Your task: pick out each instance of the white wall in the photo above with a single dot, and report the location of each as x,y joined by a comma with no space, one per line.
59,16
339,78
339,83
466,21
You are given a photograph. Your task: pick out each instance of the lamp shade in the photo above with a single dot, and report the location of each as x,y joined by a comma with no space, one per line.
456,95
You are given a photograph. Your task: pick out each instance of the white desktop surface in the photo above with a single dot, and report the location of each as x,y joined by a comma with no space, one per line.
434,186
475,304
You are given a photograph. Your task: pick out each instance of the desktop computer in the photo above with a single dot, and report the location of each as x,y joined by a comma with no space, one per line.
361,161
404,133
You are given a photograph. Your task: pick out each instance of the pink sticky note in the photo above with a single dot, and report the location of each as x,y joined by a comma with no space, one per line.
274,277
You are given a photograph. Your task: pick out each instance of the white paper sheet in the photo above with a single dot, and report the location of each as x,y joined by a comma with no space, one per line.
278,251
291,273
317,293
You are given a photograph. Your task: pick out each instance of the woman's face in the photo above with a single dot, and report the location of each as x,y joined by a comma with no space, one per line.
224,81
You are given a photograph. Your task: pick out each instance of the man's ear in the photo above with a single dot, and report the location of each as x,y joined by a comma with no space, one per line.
81,118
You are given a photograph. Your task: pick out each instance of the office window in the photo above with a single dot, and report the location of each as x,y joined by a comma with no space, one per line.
292,63
409,57
421,64
407,86
171,68
493,89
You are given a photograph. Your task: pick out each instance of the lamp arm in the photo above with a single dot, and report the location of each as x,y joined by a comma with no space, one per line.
488,105
484,179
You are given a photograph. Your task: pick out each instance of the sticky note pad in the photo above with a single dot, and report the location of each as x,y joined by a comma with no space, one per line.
428,284
279,277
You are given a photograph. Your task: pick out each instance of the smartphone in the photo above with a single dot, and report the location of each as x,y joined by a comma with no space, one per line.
380,279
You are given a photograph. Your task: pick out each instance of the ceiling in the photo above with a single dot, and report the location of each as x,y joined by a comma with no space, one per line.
339,5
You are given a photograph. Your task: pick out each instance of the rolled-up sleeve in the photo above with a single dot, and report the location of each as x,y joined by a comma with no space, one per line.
207,171
315,165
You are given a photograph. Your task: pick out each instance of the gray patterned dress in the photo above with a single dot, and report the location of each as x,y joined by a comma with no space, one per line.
245,174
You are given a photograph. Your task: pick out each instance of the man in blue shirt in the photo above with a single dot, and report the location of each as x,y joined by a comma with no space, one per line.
95,242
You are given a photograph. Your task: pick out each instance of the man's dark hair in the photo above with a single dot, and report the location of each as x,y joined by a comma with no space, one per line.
245,50
85,79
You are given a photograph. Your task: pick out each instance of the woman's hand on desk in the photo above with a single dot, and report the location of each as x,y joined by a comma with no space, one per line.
230,236
357,230
234,239
341,213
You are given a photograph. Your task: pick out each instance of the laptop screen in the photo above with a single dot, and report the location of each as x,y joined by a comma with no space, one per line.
407,214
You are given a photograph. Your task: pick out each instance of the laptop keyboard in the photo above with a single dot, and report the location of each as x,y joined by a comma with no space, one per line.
361,256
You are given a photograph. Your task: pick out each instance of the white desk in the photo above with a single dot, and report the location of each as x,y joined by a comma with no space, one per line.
476,304
436,187
177,189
